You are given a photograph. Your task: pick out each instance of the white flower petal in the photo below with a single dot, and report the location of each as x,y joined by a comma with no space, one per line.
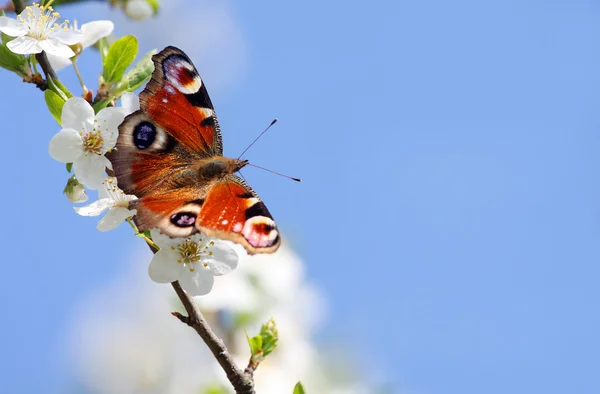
77,114
223,260
95,208
12,27
67,37
164,267
108,121
25,45
93,31
197,283
58,63
90,170
114,217
130,102
56,48
65,146
163,241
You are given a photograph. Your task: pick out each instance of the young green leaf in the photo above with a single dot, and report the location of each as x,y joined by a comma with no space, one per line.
62,88
255,345
264,343
69,166
299,389
11,61
137,76
102,104
55,104
120,55
269,336
52,85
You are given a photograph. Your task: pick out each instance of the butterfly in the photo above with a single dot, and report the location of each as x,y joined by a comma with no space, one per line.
169,154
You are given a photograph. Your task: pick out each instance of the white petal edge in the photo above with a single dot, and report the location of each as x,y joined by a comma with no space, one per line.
12,27
164,267
130,102
77,114
95,208
164,241
94,31
58,63
224,259
65,146
67,37
90,170
114,217
25,45
197,283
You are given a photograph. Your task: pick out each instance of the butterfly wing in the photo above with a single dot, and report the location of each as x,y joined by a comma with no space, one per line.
227,209
157,155
176,126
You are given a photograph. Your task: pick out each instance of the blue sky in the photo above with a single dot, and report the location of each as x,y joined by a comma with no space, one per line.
450,210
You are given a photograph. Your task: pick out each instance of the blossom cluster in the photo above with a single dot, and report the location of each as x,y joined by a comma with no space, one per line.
90,129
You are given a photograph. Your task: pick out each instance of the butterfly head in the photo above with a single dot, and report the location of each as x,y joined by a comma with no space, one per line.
219,167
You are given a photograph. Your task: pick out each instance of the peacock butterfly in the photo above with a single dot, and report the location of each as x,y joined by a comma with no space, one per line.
170,155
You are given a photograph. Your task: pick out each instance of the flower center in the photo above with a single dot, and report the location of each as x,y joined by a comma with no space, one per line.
192,252
41,21
93,142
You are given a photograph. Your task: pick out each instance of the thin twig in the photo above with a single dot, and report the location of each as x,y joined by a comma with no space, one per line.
242,381
41,57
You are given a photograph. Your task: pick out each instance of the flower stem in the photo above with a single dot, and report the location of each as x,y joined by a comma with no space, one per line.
74,61
142,235
33,64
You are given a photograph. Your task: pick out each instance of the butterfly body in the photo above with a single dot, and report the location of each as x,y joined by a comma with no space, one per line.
169,154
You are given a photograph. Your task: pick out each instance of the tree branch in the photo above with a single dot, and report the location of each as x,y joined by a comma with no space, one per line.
242,381
41,57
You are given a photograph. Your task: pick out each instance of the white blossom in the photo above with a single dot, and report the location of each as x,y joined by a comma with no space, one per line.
193,261
113,199
36,30
92,32
85,139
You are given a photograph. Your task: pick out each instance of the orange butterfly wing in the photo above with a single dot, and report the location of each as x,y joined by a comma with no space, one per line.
158,157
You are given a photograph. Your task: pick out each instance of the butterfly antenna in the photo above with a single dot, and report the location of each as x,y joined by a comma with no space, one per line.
276,173
260,135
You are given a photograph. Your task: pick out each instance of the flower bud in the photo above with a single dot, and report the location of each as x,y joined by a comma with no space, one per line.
75,191
139,10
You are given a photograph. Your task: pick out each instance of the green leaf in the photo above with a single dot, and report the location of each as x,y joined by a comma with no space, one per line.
269,336
56,89
146,234
11,61
69,167
55,104
137,76
264,343
62,88
299,389
6,38
102,46
255,345
120,55
102,104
